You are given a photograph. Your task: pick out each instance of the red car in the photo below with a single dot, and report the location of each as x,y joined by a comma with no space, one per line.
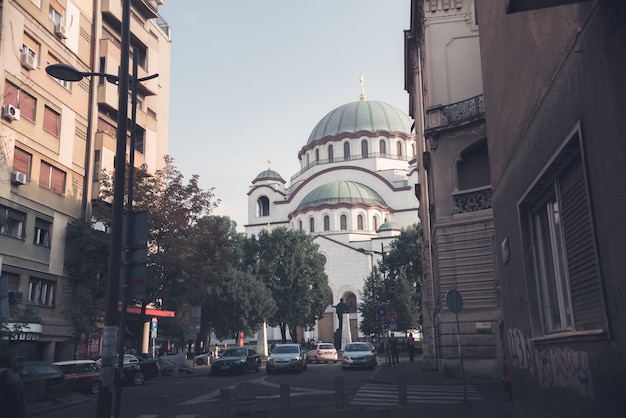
80,375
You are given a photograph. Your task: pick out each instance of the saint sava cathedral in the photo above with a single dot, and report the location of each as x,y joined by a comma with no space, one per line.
354,192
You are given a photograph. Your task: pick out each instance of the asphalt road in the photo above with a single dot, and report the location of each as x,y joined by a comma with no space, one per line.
200,393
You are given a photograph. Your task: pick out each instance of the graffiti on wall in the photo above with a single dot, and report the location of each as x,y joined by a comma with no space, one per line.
554,367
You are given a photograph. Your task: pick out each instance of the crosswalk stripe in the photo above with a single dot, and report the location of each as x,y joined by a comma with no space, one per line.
376,394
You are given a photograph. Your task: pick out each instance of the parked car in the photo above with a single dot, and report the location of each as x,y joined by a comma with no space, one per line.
169,364
136,370
359,354
286,357
236,360
80,375
203,358
43,381
322,352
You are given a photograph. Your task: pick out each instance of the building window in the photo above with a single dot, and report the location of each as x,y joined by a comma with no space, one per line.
42,232
343,222
317,155
311,225
330,154
383,147
359,222
53,60
20,99
413,149
41,292
399,149
326,223
346,151
12,222
300,225
22,161
56,12
374,223
262,206
51,178
96,165
51,121
364,149
561,244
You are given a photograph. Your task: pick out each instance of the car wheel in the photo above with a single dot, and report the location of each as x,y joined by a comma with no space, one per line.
166,372
94,388
139,378
199,362
335,361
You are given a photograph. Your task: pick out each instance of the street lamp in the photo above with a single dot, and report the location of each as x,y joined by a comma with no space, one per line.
110,333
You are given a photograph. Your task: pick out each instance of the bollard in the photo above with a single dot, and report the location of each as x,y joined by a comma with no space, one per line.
164,407
285,400
402,397
245,398
224,403
339,392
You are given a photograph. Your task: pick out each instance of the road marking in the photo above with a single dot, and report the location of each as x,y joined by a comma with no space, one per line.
377,394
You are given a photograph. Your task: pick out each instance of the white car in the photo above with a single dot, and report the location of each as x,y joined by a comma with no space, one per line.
322,352
203,358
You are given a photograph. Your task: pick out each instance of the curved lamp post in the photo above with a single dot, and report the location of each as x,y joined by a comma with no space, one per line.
110,334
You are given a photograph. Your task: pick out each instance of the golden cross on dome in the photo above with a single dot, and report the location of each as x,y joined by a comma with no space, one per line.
269,163
362,82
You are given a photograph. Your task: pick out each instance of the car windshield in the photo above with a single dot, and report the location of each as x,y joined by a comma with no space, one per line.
234,352
279,349
357,347
326,346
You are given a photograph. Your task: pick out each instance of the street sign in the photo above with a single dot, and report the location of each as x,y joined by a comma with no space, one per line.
381,311
153,328
392,316
454,300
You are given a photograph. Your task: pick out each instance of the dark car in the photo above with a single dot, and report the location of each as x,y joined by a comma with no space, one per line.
80,375
136,369
359,354
286,357
43,381
236,360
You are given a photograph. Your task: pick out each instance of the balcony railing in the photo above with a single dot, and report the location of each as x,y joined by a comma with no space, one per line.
439,116
472,200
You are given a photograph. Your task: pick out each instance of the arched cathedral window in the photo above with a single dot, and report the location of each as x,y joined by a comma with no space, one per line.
262,206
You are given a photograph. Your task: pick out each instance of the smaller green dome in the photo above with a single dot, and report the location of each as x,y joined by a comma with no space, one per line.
268,175
389,226
338,192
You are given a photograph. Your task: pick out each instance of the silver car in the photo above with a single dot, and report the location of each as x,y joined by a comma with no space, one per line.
286,357
359,354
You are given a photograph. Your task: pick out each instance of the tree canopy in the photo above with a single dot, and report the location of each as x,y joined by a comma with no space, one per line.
290,265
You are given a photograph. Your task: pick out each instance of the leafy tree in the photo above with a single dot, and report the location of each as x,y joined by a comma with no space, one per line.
371,297
183,250
85,263
396,283
241,303
290,265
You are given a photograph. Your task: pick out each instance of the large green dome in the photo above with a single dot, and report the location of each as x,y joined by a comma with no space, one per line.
346,192
364,115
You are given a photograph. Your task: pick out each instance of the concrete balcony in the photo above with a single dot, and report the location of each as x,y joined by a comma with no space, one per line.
455,113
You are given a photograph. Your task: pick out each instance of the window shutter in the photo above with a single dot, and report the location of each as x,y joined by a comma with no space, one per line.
58,181
582,263
21,161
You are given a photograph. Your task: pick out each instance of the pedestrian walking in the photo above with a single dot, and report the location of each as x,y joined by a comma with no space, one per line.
394,350
410,346
12,394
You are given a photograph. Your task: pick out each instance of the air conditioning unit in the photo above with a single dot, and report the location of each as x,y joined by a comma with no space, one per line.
18,178
29,60
10,112
59,30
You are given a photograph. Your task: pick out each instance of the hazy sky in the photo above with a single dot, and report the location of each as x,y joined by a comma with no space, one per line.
250,79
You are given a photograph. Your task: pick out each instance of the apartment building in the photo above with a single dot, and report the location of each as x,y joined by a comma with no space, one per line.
444,79
57,136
